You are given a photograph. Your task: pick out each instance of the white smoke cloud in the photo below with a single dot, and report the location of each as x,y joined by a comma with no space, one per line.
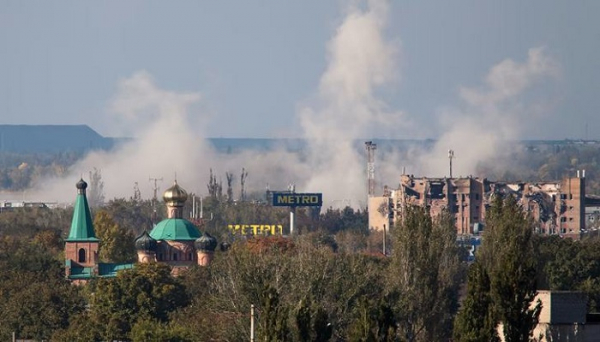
360,60
491,116
170,135
165,145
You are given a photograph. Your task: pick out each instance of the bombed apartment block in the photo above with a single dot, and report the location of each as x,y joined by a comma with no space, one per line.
555,207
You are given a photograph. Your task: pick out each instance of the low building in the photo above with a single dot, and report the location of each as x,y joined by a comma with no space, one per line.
563,317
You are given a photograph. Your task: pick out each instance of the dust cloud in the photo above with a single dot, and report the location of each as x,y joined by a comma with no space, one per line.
170,129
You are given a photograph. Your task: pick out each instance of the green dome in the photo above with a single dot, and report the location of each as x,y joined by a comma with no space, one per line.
145,242
206,243
175,229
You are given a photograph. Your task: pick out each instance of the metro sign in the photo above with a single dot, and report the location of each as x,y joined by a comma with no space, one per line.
286,199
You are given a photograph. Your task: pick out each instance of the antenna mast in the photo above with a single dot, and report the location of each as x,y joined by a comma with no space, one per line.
450,156
371,147
155,197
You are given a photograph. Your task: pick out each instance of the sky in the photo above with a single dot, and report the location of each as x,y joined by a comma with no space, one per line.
254,65
472,75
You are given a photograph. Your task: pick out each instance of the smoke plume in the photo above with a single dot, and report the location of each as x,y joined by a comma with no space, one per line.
170,135
490,116
346,107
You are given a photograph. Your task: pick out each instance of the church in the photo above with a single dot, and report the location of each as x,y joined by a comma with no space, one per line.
174,241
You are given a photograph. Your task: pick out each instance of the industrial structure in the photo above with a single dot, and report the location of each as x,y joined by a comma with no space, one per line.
371,147
556,207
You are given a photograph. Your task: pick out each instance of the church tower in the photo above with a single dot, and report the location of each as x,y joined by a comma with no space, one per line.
81,247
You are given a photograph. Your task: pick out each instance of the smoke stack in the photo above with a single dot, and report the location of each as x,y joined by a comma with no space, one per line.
583,174
578,174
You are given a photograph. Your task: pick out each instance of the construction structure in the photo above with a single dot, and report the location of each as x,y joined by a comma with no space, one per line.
556,207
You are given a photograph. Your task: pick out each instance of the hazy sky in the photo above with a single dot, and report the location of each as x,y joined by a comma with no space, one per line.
255,64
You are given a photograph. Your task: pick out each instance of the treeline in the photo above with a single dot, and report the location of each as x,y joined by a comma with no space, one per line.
542,162
332,282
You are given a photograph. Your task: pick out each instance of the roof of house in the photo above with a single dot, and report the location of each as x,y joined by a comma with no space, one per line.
104,270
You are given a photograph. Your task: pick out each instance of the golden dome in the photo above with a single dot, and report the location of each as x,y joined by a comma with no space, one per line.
175,196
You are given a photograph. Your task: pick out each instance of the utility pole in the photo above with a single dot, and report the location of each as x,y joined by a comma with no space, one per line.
292,189
371,147
384,241
155,197
252,323
450,156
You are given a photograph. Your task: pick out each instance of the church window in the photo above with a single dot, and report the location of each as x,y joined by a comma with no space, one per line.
81,256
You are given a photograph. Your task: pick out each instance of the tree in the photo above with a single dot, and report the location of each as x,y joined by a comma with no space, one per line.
427,272
273,317
215,189
229,177
96,192
116,243
243,178
36,299
475,321
132,215
507,256
146,330
376,322
147,291
313,323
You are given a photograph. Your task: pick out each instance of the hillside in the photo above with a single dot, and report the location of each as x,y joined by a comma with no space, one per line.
51,139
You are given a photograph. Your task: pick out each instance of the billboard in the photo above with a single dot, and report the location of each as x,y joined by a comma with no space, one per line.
287,199
256,229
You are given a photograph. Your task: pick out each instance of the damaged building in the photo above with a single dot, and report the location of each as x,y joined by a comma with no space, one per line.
555,207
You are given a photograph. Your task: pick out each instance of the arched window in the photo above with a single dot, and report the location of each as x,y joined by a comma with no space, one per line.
175,256
81,257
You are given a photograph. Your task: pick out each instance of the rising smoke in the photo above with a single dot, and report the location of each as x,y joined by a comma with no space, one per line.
491,116
171,133
344,108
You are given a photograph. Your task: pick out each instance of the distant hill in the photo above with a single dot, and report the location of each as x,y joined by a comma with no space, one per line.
51,139
27,139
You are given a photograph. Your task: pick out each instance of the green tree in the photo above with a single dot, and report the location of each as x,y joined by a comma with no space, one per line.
475,321
376,322
427,272
273,317
313,323
507,255
147,330
147,291
35,297
116,243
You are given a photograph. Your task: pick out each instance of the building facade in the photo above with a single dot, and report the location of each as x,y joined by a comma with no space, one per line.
555,207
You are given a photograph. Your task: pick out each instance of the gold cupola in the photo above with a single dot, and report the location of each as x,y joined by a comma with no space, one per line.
175,198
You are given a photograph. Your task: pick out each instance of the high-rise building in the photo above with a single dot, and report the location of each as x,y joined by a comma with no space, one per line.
555,207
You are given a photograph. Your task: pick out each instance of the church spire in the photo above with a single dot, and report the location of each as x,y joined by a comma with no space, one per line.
82,226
